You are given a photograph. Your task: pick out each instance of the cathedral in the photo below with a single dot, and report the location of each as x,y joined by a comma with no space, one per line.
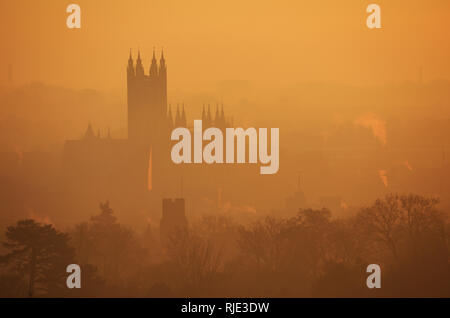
149,116
97,167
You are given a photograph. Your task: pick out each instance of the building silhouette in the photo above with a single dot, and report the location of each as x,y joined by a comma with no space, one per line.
173,218
99,167
148,118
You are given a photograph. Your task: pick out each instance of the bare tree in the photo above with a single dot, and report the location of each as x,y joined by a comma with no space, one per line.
196,257
420,217
383,221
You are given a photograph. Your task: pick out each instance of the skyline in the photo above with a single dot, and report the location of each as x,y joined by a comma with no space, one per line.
284,45
326,142
170,148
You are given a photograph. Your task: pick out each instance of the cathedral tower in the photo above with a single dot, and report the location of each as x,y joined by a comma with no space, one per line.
147,101
148,119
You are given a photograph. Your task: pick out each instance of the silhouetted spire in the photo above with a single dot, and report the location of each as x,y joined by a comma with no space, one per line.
139,66
162,64
178,117
154,66
89,132
109,133
130,65
139,57
183,118
222,121
217,119
208,117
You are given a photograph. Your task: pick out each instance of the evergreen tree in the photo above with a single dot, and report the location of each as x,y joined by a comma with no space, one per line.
39,252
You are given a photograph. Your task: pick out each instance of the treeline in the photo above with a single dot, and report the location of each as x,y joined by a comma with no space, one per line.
310,255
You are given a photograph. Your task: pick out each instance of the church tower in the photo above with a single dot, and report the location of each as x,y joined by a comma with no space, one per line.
148,117
147,100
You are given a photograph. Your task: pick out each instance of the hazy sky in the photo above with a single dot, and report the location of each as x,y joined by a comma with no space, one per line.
206,41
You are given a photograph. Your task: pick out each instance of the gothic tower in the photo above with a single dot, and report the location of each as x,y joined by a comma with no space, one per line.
148,117
147,101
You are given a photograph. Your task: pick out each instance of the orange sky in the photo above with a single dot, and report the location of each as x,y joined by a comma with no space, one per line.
206,41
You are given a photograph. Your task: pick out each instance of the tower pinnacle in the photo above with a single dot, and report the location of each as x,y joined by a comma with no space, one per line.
153,66
183,118
139,66
130,68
